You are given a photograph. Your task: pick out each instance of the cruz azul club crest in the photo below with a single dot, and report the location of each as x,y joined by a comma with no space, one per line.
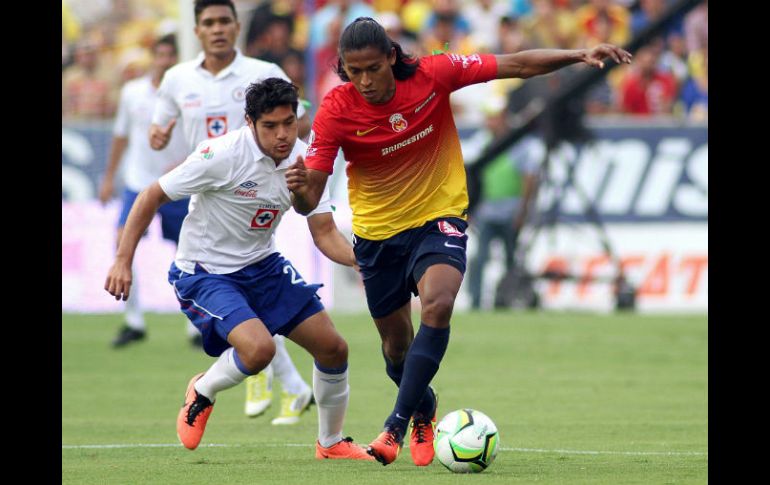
264,218
397,122
216,125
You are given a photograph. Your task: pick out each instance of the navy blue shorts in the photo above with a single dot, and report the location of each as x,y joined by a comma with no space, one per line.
392,267
271,290
172,214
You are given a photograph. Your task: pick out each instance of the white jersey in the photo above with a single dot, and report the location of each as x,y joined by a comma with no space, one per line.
238,199
210,106
141,164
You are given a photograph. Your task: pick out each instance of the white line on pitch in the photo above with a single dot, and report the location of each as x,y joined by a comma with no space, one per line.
307,445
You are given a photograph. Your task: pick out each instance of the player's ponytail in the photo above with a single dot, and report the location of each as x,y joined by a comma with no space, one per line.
365,32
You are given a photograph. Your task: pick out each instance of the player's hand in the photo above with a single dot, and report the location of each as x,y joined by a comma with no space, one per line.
594,57
105,191
296,175
159,135
118,282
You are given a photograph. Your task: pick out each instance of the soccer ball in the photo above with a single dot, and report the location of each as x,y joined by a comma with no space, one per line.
466,441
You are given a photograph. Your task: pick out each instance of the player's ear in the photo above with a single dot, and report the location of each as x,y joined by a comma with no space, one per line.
392,56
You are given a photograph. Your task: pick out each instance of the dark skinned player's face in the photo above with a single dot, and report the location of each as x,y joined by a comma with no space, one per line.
217,30
370,72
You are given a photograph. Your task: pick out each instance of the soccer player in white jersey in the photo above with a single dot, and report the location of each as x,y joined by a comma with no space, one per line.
207,92
142,166
228,276
207,96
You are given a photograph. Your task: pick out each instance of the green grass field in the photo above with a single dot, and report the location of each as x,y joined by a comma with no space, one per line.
577,398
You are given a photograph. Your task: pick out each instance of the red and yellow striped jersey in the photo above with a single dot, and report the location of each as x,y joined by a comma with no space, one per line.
404,165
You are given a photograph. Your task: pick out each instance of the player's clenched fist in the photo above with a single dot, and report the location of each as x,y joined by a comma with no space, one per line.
159,135
296,175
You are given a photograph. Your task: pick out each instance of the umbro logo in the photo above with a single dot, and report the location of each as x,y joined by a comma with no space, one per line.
362,133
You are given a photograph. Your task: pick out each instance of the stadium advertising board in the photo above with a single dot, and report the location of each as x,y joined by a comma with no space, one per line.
648,184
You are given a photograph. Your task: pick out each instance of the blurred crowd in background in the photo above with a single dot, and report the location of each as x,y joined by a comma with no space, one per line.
106,43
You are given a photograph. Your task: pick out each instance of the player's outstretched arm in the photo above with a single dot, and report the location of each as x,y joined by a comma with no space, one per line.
145,206
306,186
535,62
329,240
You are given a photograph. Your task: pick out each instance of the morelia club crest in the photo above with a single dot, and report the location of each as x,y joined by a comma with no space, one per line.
449,229
397,122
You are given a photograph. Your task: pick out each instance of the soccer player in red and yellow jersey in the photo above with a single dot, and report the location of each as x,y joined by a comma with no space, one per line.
408,193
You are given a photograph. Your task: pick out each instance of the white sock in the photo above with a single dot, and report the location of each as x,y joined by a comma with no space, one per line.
192,330
223,374
134,314
284,369
331,393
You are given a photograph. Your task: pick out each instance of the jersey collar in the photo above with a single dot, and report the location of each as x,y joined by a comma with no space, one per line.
234,67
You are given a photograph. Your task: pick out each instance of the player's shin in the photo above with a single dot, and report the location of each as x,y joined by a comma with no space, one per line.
226,372
331,391
421,364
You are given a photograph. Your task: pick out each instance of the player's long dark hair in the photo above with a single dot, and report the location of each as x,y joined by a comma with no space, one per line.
365,32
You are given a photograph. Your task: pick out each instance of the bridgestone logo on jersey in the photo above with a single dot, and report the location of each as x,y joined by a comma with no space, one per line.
414,138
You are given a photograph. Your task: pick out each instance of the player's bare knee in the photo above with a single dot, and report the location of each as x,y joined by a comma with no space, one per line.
341,350
334,354
258,355
437,309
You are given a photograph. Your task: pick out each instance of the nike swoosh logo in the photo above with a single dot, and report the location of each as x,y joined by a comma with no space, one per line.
452,246
362,133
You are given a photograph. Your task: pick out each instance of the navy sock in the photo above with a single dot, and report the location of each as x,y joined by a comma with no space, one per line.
421,364
426,404
396,371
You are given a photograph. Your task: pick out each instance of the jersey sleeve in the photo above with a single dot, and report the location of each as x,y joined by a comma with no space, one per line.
323,144
166,108
456,71
201,171
121,126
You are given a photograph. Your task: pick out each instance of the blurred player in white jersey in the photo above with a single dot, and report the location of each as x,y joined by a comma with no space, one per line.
142,166
228,276
206,95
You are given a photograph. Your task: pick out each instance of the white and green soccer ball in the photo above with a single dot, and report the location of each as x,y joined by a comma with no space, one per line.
466,441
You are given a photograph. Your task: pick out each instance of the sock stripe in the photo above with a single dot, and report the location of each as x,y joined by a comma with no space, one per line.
331,370
239,364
